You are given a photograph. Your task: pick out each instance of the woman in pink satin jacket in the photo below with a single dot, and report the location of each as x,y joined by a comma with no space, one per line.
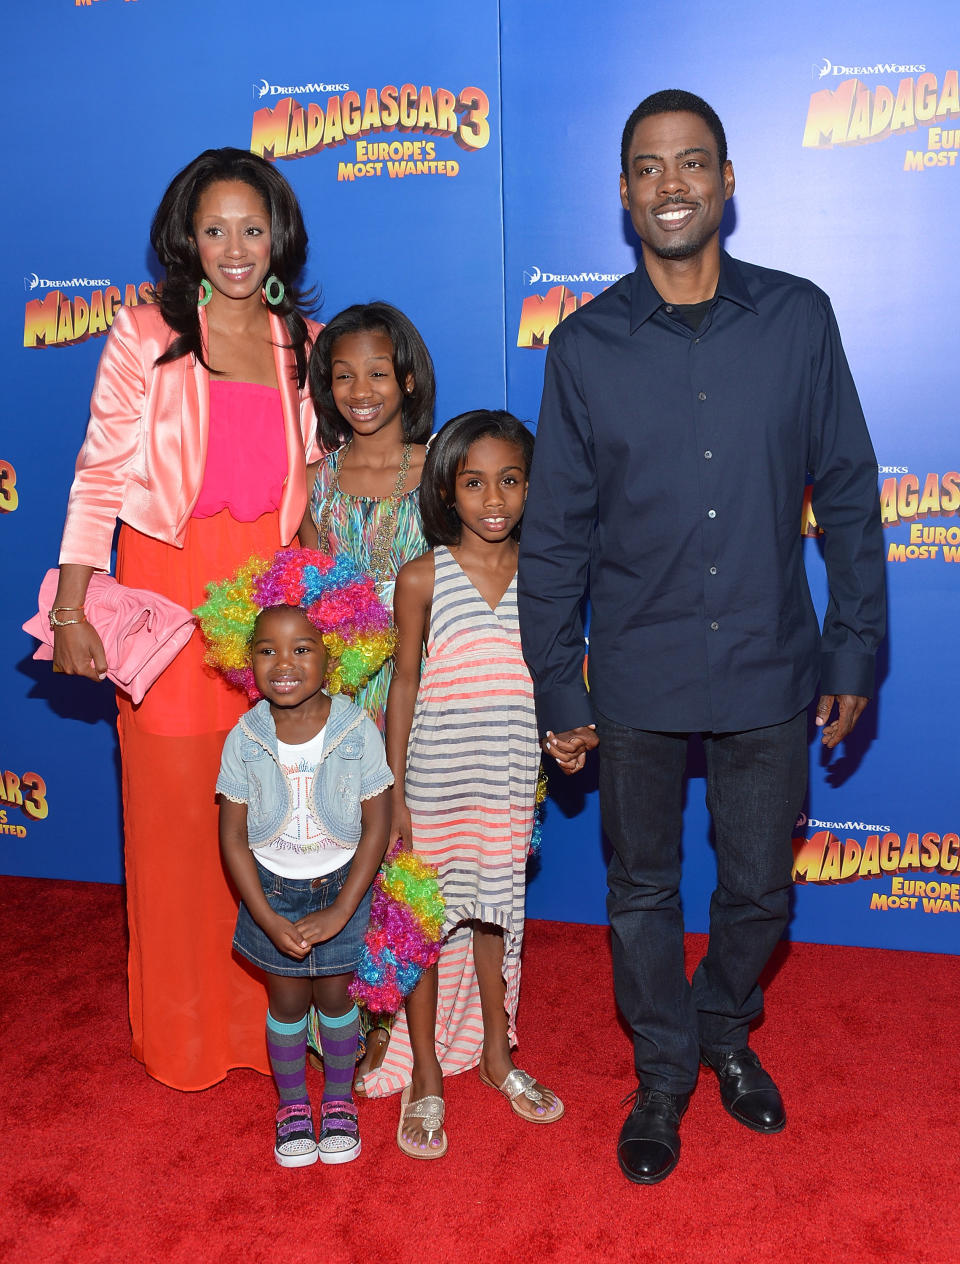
200,429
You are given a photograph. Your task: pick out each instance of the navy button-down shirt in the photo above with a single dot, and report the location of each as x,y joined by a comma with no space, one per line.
668,481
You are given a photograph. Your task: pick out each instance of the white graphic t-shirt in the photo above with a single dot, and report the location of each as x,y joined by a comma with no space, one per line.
302,850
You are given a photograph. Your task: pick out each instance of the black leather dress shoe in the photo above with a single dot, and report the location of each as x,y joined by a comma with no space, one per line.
649,1139
746,1090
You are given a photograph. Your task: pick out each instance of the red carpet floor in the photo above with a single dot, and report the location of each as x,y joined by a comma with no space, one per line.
101,1164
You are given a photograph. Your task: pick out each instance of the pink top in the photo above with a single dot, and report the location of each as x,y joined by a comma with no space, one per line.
246,461
143,457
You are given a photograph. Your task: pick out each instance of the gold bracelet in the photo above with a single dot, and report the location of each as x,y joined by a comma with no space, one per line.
65,623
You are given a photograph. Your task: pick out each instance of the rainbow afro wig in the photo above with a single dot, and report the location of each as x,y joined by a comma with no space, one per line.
340,601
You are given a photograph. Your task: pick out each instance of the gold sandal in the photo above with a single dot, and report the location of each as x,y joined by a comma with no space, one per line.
430,1110
520,1086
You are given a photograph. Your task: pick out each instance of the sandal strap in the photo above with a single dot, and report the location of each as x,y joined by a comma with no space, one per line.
430,1109
521,1083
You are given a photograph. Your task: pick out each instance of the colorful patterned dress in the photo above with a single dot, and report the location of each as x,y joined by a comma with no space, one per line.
471,781
353,527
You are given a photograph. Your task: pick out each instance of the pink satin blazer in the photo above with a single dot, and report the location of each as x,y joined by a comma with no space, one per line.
143,457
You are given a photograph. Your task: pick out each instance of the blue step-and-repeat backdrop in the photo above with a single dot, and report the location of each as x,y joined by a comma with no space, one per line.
462,163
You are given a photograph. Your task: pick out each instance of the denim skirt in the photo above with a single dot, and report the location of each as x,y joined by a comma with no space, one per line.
294,898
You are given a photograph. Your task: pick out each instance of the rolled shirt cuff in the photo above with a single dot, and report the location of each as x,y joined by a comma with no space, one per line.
564,708
846,671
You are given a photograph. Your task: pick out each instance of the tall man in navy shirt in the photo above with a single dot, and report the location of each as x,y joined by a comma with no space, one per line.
682,411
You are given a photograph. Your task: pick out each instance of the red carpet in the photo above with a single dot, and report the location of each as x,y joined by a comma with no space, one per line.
101,1164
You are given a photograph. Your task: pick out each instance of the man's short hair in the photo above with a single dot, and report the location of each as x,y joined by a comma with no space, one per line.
673,101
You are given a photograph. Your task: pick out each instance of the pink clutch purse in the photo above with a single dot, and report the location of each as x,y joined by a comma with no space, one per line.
141,631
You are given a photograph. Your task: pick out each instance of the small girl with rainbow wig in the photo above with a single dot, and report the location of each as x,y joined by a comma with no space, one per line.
304,814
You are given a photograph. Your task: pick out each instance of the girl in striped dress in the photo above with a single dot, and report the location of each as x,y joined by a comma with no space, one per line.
462,743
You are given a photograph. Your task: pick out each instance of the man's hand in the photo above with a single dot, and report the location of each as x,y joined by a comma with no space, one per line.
849,709
570,748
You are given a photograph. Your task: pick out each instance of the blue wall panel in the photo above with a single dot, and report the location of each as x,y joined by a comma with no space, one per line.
845,138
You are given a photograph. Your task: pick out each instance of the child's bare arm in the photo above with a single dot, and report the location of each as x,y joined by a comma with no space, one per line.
242,868
412,601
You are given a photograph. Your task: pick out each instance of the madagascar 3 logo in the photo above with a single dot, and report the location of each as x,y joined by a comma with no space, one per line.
540,314
28,794
913,862
9,496
914,501
61,318
855,114
910,500
290,129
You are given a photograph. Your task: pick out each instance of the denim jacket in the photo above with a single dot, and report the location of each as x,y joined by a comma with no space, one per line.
352,768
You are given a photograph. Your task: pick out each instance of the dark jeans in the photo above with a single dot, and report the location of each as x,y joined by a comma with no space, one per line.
755,786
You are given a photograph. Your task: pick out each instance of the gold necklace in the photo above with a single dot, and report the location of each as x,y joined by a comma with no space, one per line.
387,524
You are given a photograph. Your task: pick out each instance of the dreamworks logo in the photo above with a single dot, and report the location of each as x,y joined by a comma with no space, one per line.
840,827
33,282
825,68
263,88
535,276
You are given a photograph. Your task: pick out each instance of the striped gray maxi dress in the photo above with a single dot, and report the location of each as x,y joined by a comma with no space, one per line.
472,764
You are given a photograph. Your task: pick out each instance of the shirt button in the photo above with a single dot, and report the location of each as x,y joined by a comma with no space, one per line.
711,513
714,627
702,395
696,340
668,308
713,570
708,454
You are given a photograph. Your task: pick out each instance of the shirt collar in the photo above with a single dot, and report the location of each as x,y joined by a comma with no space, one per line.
645,300
258,722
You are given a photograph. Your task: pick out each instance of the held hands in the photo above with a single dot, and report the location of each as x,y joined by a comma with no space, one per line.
570,748
286,938
849,709
78,651
317,928
297,940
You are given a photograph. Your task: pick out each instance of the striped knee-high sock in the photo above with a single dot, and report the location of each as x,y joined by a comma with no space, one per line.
287,1046
338,1040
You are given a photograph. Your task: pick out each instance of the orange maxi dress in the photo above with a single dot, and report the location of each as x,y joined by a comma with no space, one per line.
197,1009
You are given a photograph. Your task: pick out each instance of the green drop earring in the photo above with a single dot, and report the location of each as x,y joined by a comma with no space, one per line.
206,292
273,290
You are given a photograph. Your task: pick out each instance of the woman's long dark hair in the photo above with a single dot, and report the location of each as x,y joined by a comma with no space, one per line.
448,452
171,236
410,359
